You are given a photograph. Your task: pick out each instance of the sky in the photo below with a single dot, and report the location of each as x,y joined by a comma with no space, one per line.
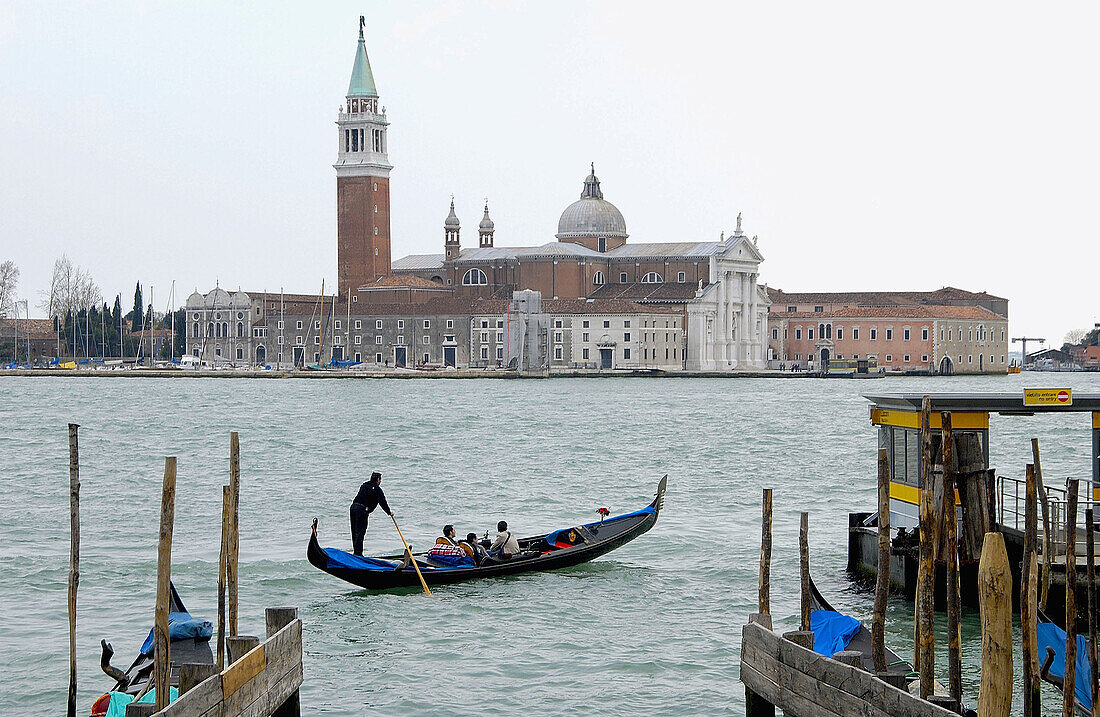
870,146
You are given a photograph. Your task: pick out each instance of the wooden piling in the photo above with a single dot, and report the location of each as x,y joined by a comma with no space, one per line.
162,666
234,543
236,646
1090,577
757,705
951,557
1044,504
764,591
882,578
804,569
1070,681
925,632
223,556
194,674
995,601
74,557
1028,606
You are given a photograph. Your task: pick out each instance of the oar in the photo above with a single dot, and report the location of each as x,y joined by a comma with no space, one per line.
411,556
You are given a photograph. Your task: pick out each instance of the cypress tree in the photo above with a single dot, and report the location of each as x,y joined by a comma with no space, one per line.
138,316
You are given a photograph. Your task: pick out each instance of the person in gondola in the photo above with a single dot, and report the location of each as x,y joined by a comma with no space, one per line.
473,548
505,544
448,536
370,496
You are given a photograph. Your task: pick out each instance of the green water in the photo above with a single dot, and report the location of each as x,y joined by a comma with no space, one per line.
653,627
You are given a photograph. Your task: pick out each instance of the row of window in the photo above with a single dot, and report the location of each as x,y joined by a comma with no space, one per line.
825,331
355,140
477,277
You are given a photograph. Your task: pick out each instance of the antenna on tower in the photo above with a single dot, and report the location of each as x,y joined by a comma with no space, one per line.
362,22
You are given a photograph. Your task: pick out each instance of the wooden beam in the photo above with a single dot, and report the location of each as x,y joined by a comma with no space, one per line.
234,544
74,557
162,665
926,582
1070,682
1090,577
882,577
995,600
764,590
223,557
1028,603
1044,504
951,556
804,569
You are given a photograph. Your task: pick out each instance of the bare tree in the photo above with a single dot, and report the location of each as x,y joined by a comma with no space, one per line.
71,289
1074,337
9,280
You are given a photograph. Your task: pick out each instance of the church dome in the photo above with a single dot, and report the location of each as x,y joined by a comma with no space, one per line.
195,301
486,224
591,215
451,222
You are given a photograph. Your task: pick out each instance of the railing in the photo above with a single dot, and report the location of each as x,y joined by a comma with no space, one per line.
1011,496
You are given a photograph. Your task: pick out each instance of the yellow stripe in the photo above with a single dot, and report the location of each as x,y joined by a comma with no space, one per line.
1096,492
911,419
911,494
1096,420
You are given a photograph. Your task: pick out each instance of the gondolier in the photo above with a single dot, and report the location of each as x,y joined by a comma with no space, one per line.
370,496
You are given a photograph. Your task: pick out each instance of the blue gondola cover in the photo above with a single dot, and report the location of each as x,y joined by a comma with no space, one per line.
1050,635
832,631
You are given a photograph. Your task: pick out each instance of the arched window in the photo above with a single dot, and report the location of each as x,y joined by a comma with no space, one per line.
195,330
210,329
225,329
652,278
240,329
597,278
474,277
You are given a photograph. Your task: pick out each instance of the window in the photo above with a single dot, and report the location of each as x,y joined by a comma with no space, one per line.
905,358
557,323
924,334
316,325
839,333
316,340
607,324
905,334
500,353
427,324
681,277
889,358
810,333
484,353
400,323
427,358
474,277
378,358
448,338
626,336
484,324
378,324
622,277
450,323
378,340
358,340
427,340
970,359
484,337
626,353
337,324
584,337
855,333
818,309
874,334
558,337
240,353
558,353
584,324
316,357
358,357
626,324
584,354
358,324
652,277
797,333
298,340
500,323
775,334
299,325
500,337
924,358
889,334
792,309
597,278
400,340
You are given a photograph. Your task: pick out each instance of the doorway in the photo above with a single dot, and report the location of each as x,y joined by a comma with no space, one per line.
449,356
299,356
261,355
400,356
606,357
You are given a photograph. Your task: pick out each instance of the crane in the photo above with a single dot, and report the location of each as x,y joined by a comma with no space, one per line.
1023,346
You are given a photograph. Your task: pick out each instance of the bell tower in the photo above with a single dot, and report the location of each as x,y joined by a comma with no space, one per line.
362,180
451,228
485,229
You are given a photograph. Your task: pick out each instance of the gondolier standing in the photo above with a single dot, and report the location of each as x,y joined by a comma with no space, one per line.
370,496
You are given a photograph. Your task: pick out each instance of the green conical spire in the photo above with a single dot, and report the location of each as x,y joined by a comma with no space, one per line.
362,81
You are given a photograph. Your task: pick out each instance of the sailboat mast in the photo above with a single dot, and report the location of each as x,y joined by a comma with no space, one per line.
321,326
347,331
281,306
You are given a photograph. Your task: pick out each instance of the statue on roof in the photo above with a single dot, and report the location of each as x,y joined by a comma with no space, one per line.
738,223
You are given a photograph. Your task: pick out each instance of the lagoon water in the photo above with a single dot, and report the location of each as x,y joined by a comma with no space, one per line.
653,627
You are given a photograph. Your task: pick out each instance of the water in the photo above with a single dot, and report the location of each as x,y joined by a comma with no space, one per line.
653,627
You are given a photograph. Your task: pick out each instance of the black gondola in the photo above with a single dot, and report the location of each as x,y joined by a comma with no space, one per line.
549,551
1050,640
861,641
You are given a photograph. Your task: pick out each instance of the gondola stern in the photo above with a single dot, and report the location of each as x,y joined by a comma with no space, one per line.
659,499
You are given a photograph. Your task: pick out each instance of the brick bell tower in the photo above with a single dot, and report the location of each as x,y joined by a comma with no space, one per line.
362,181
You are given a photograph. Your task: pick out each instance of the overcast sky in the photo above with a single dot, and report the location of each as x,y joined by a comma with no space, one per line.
871,146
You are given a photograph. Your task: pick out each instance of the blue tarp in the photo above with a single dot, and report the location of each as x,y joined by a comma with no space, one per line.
181,626
119,700
832,631
342,559
1050,635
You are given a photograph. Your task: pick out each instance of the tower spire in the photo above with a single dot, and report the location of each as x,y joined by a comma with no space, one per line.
362,79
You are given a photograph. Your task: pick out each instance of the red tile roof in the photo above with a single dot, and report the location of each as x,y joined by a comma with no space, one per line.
977,313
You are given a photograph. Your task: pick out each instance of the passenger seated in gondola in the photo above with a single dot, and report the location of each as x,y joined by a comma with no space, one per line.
448,536
505,544
473,548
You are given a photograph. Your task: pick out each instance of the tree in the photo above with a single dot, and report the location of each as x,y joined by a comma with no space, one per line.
116,313
9,280
1074,337
138,318
71,289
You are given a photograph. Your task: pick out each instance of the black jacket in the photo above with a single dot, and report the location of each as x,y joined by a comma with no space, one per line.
371,496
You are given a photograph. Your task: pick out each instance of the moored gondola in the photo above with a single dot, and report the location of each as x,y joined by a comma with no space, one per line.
1051,642
549,551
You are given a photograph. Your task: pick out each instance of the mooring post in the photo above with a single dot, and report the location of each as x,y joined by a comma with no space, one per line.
74,557
1090,577
951,555
1070,681
162,666
223,556
926,580
755,705
234,529
1028,606
882,577
764,592
804,569
193,674
236,646
995,602
1044,504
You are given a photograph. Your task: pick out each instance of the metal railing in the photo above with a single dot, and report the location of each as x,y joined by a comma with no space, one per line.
1011,497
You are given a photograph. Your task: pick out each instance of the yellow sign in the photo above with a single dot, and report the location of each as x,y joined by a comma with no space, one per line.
1048,397
1096,419
910,419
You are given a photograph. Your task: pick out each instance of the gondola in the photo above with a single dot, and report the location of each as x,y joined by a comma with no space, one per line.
861,640
548,551
1051,644
190,643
